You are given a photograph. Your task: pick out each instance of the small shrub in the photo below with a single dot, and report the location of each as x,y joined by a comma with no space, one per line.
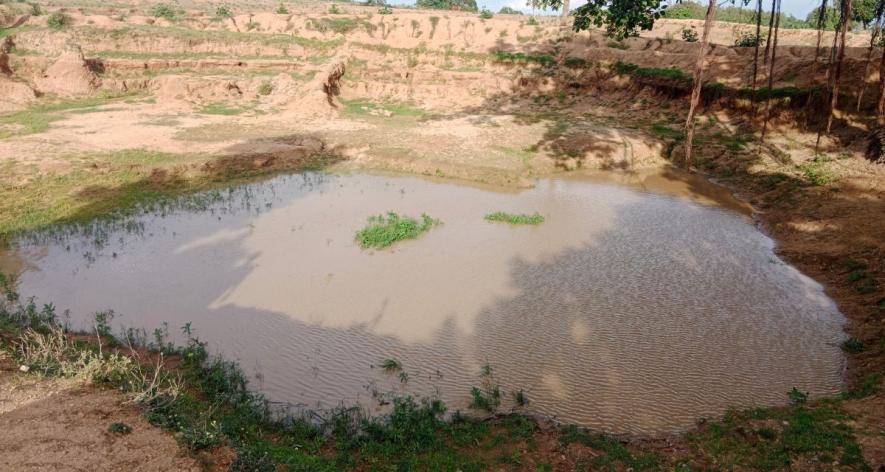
385,10
853,345
576,62
282,10
119,428
163,11
749,40
520,398
382,231
797,397
265,88
223,12
333,10
57,20
615,45
689,35
516,218
532,21
36,10
486,14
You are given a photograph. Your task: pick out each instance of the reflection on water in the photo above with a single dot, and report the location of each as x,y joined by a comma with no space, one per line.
626,310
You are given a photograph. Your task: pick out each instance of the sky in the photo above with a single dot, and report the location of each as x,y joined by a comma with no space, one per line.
797,8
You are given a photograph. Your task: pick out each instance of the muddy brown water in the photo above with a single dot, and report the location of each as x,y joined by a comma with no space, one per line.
630,309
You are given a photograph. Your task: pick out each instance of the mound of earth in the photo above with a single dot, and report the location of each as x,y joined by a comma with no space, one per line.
70,75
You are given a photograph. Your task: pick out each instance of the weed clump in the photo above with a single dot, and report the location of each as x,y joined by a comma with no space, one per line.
57,20
486,14
382,231
385,10
282,10
163,11
119,428
853,345
689,35
223,12
265,88
516,218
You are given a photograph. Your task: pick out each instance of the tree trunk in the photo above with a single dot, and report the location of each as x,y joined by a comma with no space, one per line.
880,108
834,97
812,78
565,10
874,35
770,28
698,81
777,25
756,55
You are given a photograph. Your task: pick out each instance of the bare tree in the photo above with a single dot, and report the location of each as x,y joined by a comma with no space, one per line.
756,52
698,80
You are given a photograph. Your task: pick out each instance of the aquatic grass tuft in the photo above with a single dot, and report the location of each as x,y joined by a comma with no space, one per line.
382,231
516,218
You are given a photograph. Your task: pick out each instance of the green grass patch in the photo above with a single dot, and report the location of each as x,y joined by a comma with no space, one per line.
627,68
365,107
37,118
516,218
223,109
382,231
816,172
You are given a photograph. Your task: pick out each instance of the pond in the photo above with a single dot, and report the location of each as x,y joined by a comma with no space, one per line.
630,309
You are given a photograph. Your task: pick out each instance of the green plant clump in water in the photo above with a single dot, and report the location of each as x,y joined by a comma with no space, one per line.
57,20
382,231
119,428
516,218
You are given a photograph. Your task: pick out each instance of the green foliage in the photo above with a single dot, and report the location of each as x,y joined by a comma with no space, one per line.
385,10
334,10
576,62
672,73
516,218
36,10
732,14
748,40
382,231
617,45
163,10
532,21
224,12
486,14
282,10
689,35
853,345
830,20
57,20
266,88
509,11
119,428
621,18
463,5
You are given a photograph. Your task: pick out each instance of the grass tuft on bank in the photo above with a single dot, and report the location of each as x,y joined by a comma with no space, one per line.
516,218
382,231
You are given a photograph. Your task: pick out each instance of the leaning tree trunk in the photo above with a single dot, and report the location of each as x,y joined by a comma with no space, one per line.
846,18
777,25
565,8
698,79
